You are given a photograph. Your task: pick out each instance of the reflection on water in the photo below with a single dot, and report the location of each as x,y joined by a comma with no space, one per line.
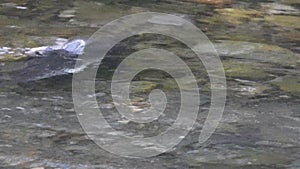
258,42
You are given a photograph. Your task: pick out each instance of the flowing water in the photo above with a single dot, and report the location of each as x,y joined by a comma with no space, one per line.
258,43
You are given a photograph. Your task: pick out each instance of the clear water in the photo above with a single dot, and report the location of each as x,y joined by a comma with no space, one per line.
258,42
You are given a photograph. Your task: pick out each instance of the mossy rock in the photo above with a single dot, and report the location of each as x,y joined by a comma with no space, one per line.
291,2
285,21
236,69
24,42
234,16
171,85
12,57
242,36
289,84
257,52
98,13
142,86
227,128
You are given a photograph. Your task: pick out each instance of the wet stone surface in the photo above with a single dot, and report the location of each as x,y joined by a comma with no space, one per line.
258,43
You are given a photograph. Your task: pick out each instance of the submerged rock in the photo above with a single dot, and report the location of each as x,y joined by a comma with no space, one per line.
67,13
285,21
12,57
142,86
214,2
237,69
234,16
47,62
257,52
289,84
276,8
290,2
95,14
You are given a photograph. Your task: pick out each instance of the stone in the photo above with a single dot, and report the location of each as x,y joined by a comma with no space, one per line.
284,21
289,84
234,16
276,8
213,2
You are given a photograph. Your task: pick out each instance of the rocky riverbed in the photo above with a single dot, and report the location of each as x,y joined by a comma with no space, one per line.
257,41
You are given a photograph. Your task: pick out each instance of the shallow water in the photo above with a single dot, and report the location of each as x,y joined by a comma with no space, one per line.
258,42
